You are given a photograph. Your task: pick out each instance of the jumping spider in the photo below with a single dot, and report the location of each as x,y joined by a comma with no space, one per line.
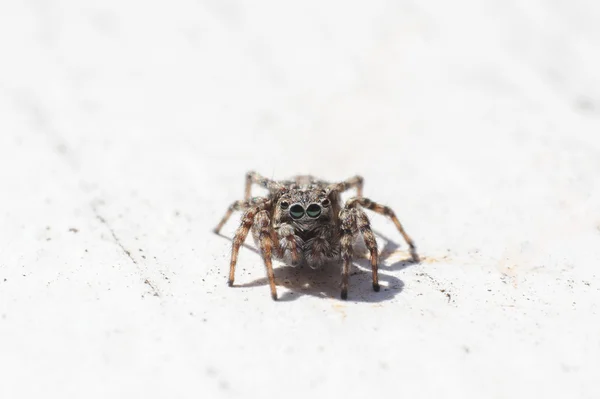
302,221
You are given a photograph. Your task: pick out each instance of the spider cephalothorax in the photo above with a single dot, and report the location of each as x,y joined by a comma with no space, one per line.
302,221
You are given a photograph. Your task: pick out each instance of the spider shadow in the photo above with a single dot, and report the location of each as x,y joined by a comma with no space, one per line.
390,250
325,282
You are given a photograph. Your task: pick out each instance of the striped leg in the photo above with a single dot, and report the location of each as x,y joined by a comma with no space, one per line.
288,242
384,210
346,241
354,220
237,206
240,236
263,227
255,178
356,181
363,225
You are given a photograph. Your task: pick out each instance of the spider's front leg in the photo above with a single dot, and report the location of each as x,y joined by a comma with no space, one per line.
352,221
262,226
242,232
287,240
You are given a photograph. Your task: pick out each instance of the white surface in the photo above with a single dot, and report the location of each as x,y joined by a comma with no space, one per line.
134,123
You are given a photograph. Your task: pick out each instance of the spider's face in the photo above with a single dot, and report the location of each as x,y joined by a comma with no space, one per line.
304,208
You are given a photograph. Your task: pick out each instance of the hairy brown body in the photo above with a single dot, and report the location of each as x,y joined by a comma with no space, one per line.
303,222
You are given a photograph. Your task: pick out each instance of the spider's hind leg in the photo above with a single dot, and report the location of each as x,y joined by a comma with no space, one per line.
237,206
255,178
356,181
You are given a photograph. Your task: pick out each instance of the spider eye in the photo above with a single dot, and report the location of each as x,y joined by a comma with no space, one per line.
297,211
284,204
313,210
325,202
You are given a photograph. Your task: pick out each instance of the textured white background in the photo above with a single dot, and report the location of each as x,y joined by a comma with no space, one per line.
125,132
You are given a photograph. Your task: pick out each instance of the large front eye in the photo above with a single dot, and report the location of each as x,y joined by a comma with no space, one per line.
297,211
313,210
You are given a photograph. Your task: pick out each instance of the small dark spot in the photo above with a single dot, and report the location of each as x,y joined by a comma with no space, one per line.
62,149
585,103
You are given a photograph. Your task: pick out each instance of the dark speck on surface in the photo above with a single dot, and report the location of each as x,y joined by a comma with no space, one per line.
584,103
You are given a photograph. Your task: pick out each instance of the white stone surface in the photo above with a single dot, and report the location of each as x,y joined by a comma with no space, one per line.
125,132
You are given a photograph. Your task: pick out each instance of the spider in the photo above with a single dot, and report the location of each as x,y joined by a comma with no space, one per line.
302,221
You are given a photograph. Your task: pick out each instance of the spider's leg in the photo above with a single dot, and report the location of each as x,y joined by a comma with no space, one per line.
276,244
262,224
384,210
347,235
356,181
363,225
240,236
237,206
286,232
255,178
352,221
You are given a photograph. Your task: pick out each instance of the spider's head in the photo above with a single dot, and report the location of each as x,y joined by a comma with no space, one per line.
304,208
